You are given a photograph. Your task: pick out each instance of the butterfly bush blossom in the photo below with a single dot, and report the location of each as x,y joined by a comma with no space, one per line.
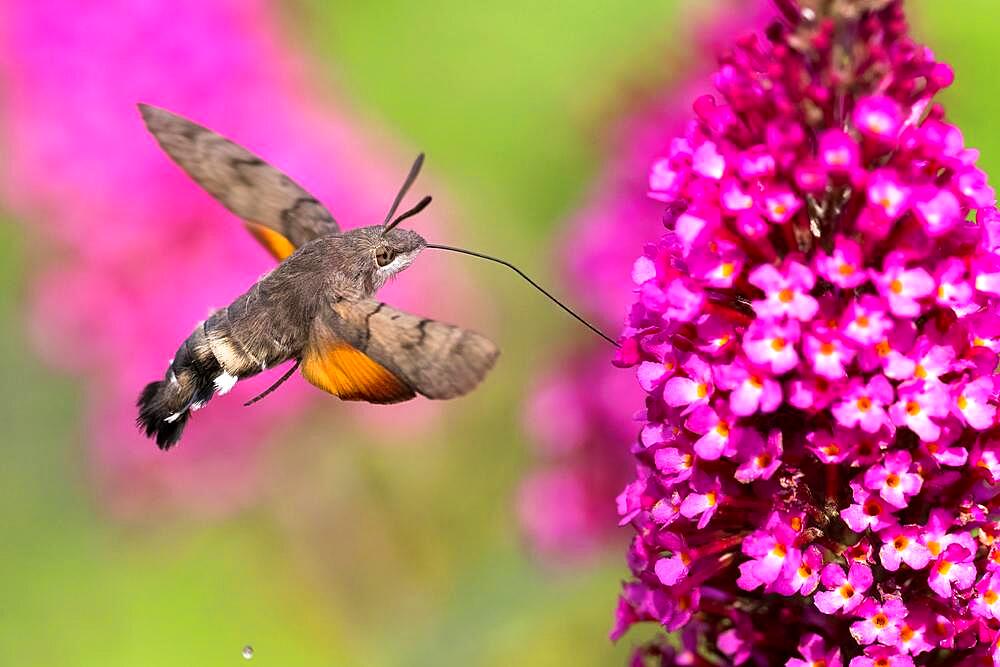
817,335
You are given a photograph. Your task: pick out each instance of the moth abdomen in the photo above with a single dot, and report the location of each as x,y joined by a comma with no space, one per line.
234,343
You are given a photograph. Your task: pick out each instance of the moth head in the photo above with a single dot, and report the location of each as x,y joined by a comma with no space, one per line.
396,248
394,251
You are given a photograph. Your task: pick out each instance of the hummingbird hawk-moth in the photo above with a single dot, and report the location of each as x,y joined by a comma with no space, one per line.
317,307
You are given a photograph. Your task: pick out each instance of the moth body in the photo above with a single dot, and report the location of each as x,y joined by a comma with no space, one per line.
268,324
316,307
305,309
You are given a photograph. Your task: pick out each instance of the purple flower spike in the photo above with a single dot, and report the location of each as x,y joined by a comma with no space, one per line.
819,342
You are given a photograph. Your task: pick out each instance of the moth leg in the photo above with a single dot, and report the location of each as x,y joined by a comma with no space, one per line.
274,386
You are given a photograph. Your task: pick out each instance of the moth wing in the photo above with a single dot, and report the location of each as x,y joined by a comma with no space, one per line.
427,357
342,370
277,211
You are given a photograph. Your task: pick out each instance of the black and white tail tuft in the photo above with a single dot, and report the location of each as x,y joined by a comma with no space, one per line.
158,415
191,380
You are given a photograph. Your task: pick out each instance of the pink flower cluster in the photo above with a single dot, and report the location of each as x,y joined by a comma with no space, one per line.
817,335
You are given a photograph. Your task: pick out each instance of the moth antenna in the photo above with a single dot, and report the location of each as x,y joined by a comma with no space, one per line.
274,386
421,205
533,284
412,176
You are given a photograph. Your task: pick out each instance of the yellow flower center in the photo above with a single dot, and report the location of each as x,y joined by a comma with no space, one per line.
878,124
864,404
896,287
778,344
786,295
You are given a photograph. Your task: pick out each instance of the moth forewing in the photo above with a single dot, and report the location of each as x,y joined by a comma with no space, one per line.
278,211
436,359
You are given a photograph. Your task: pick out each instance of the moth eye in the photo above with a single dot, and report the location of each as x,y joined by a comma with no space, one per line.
383,257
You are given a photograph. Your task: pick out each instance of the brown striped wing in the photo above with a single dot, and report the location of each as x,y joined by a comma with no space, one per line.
278,212
424,356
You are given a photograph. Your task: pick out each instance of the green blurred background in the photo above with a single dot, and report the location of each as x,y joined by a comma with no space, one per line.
377,553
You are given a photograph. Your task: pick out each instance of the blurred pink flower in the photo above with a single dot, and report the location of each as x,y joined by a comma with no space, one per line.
582,442
574,418
141,252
